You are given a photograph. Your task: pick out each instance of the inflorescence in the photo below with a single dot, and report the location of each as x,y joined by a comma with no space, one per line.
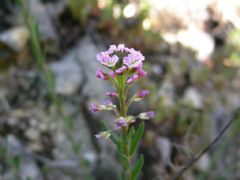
123,68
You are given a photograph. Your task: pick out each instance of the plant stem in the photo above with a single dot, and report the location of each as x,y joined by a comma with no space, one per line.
124,133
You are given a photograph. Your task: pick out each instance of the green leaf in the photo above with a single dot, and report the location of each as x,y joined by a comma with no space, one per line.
113,138
76,147
136,139
17,162
130,135
137,169
125,162
68,123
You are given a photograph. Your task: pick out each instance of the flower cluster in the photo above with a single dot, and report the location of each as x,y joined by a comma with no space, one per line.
123,67
120,59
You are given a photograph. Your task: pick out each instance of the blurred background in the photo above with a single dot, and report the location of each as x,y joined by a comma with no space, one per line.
47,81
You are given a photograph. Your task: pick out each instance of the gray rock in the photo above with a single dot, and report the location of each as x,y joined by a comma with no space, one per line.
165,148
32,134
28,167
203,163
68,74
4,106
86,56
40,13
193,98
15,38
56,8
30,170
166,92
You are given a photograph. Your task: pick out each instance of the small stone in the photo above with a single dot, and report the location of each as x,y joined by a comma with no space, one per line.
32,134
36,147
43,127
193,97
90,157
165,148
39,12
30,171
157,69
15,38
67,73
4,106
12,121
166,92
33,123
203,163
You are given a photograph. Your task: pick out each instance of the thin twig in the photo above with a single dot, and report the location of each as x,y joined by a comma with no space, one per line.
206,149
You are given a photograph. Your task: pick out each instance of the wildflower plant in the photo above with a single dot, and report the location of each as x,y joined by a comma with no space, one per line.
123,68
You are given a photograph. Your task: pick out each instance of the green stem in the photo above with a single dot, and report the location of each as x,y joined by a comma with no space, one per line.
124,132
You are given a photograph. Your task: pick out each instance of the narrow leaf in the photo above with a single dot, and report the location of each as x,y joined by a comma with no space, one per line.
68,123
137,169
136,139
17,162
125,162
130,134
113,138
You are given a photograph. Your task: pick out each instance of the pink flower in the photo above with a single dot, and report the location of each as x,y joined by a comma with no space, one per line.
112,48
111,94
130,62
103,135
107,102
94,108
147,115
121,47
132,79
142,93
121,122
121,70
141,72
105,59
100,74
111,74
133,59
151,114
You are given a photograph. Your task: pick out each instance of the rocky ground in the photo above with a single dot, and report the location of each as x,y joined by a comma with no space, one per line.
193,100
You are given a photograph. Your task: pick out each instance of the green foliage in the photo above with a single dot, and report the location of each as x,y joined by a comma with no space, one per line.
234,38
16,162
37,52
68,123
136,138
113,137
81,9
138,167
130,135
233,48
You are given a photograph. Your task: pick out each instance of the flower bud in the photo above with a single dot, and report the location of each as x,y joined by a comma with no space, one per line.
141,73
111,94
107,105
121,70
132,79
100,74
94,108
111,74
104,135
146,115
121,122
141,94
